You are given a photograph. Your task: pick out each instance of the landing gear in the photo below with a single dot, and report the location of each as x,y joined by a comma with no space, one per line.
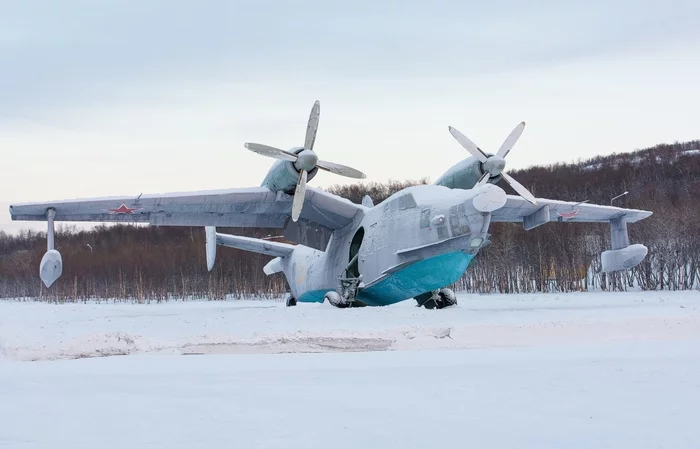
447,297
291,301
340,301
438,299
349,280
335,300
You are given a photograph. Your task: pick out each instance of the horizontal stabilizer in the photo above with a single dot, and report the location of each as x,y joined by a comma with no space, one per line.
254,245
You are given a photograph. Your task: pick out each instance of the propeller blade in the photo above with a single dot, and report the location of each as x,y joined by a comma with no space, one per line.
312,126
484,179
299,195
510,140
272,152
341,170
468,144
522,191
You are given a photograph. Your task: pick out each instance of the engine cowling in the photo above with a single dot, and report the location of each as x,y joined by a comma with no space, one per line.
283,175
463,175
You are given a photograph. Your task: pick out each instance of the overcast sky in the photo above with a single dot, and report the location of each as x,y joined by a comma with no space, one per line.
114,97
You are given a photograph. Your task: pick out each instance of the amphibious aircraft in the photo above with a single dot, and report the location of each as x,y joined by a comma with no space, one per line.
415,244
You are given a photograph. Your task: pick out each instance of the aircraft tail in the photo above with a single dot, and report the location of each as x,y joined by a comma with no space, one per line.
261,246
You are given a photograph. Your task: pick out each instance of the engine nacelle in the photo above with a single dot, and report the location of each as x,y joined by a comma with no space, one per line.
464,175
283,175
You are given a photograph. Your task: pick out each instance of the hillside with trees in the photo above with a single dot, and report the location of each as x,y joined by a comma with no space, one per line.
158,263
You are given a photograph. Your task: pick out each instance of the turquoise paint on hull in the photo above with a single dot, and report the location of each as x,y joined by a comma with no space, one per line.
424,276
313,296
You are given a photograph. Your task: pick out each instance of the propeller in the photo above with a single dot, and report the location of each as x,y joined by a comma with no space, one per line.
493,165
305,160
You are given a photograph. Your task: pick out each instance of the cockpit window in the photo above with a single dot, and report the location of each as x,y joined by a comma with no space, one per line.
403,202
425,218
406,201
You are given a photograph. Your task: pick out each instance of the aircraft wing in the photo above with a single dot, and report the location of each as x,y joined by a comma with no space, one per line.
256,207
518,210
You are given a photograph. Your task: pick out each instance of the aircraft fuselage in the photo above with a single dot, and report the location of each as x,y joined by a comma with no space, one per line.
418,240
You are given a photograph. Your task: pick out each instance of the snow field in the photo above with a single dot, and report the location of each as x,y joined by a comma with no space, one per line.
528,371
40,331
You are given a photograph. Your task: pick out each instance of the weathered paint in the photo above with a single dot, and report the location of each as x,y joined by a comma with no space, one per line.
424,276
283,176
420,277
436,224
463,175
313,296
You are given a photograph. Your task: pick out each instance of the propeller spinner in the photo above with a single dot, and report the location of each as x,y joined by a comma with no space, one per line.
305,161
495,164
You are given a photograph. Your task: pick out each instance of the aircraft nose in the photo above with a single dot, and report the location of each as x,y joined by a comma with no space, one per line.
489,198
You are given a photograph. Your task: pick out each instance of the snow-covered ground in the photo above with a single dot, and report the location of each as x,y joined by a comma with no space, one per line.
41,331
526,371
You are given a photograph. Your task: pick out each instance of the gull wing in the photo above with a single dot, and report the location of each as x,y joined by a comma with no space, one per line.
256,207
518,209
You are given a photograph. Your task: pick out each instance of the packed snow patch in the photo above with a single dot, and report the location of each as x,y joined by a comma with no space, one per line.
33,331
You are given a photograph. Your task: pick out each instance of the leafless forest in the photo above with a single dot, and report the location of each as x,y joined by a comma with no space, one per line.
158,263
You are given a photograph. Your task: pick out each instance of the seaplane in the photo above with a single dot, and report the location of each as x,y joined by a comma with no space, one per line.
412,246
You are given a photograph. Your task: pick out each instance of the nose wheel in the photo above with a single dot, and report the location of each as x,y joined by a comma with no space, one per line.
340,301
438,299
291,301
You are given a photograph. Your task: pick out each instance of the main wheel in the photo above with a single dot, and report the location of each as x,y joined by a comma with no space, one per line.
446,298
426,300
291,301
335,299
437,300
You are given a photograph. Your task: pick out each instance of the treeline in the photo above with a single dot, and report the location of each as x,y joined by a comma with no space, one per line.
563,257
132,261
157,263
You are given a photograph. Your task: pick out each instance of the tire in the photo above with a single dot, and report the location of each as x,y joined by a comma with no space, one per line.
446,298
426,300
334,299
291,301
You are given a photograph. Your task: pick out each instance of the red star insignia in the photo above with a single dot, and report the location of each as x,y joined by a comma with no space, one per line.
571,214
122,210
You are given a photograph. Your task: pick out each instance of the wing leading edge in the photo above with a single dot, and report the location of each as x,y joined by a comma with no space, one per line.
518,210
256,207
621,255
